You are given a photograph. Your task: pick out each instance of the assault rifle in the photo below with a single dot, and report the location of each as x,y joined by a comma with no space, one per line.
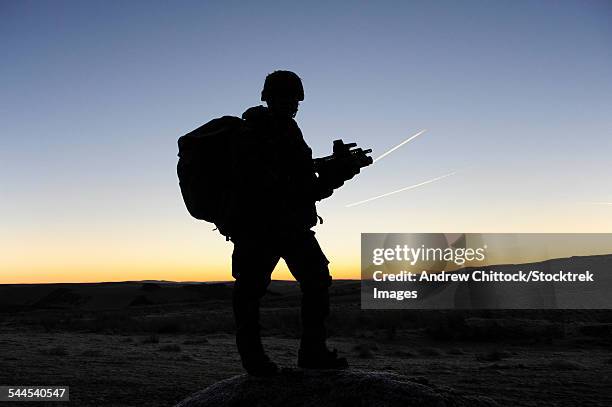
346,161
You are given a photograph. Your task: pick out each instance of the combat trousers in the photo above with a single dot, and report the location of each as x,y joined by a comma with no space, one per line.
253,260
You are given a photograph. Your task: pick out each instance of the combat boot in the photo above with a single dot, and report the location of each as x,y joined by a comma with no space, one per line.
254,359
260,366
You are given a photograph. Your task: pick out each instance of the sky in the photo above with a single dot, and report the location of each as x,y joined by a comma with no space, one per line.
515,96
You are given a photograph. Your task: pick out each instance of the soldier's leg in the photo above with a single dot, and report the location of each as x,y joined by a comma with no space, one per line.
309,266
252,266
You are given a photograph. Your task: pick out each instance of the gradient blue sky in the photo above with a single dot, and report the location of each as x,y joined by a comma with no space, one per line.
515,95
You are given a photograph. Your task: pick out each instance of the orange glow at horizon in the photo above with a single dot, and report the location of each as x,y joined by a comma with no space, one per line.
181,274
181,249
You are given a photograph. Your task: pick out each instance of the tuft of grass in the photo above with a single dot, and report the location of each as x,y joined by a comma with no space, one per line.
364,350
150,339
55,351
402,354
429,352
91,352
170,348
493,356
563,364
199,341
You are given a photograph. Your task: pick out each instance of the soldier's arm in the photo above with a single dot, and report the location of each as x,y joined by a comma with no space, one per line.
326,182
322,183
322,189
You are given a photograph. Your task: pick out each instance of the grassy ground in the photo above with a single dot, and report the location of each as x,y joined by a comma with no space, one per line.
156,354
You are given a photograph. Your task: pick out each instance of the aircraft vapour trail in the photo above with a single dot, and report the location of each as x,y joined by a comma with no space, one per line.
601,203
401,190
399,145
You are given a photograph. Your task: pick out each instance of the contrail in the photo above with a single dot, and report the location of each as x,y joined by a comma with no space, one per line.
600,203
401,190
400,144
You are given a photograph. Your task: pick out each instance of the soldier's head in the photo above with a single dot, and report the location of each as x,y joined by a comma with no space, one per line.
283,93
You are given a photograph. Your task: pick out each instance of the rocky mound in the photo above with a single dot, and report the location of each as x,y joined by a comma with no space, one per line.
310,388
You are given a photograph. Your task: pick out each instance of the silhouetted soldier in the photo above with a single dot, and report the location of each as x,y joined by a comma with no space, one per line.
275,188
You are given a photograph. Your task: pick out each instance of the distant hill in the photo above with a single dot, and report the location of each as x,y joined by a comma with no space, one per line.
118,295
89,296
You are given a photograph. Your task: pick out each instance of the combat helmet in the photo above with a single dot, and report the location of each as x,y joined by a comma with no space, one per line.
285,84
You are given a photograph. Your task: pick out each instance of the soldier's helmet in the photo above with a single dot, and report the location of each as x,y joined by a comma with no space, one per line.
282,85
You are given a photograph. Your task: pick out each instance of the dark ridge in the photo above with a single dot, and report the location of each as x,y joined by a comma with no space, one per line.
150,287
216,291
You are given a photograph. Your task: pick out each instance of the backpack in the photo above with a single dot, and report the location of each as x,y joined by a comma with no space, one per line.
204,169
